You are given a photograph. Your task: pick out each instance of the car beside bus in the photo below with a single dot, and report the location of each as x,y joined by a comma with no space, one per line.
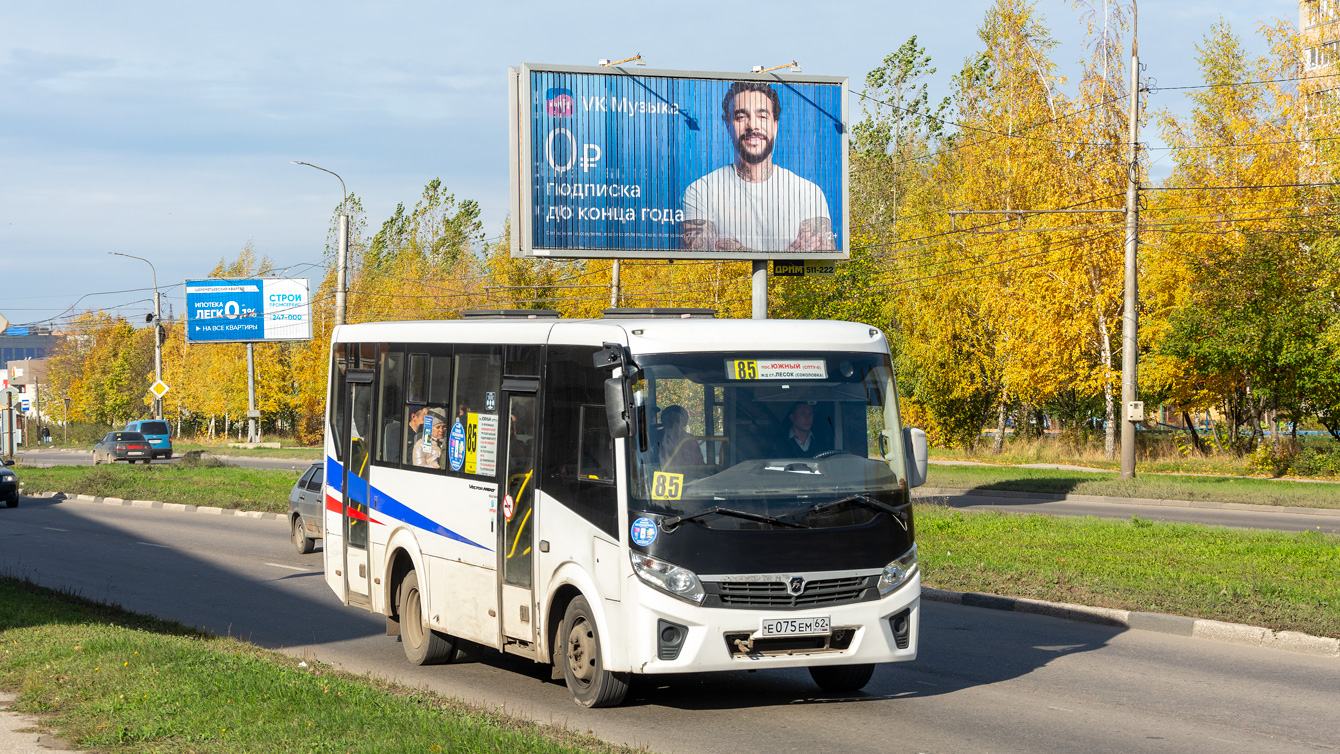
652,492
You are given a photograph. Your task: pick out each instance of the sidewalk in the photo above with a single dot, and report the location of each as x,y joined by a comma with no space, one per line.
24,734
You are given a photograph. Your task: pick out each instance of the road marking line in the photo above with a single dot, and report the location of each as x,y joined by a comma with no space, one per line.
281,565
1061,709
152,544
52,528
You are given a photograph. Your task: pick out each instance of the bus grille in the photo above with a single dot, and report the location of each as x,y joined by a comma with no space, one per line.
773,595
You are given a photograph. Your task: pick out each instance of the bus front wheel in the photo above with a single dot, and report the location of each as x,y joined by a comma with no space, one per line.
583,667
839,678
423,645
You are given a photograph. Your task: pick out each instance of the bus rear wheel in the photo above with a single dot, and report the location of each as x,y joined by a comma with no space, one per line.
583,666
422,645
838,678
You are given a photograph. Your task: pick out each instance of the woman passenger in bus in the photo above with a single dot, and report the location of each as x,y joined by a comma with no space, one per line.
428,451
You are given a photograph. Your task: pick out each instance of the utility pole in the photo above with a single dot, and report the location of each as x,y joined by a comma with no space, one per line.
158,323
1132,408
342,255
252,414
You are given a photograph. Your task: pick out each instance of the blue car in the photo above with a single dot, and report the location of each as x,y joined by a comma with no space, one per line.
157,432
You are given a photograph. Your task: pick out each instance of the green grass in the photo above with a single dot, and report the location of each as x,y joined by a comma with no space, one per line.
222,449
1145,485
1280,580
202,484
1159,452
113,681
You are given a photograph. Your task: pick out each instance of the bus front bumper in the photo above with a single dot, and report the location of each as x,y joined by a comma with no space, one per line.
677,637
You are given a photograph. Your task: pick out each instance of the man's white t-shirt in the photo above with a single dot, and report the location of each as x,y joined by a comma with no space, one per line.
761,216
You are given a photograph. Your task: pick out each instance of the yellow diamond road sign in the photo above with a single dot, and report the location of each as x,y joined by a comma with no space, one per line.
159,389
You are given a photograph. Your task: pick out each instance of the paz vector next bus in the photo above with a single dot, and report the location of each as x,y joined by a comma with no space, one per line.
655,491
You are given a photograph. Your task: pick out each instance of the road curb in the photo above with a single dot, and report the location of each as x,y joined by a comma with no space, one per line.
924,492
180,507
1196,628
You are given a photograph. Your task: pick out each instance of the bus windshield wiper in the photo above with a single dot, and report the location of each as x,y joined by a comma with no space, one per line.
862,499
670,523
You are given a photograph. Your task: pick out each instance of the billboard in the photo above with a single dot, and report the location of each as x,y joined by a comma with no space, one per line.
230,311
609,162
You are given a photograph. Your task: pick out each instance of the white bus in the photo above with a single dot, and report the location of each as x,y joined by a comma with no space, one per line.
656,491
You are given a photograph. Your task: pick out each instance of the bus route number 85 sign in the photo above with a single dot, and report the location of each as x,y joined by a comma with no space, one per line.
666,486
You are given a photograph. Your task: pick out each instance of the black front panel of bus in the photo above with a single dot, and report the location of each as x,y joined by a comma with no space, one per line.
707,551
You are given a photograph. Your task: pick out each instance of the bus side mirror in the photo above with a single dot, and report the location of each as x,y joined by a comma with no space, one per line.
914,445
616,409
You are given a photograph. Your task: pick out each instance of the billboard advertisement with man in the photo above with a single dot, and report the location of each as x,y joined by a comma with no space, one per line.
664,164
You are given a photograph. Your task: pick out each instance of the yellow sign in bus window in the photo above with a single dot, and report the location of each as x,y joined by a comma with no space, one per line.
666,486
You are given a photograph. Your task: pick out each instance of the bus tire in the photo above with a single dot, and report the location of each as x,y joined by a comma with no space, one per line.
301,542
838,678
583,667
422,645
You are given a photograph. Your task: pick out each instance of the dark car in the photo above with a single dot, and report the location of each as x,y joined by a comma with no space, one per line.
157,432
9,484
306,506
123,446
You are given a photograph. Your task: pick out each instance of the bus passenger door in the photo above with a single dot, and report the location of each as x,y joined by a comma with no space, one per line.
517,533
356,487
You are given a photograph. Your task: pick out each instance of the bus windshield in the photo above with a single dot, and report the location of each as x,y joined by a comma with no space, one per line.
755,440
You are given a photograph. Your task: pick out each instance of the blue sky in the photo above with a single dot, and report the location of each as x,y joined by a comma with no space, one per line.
165,129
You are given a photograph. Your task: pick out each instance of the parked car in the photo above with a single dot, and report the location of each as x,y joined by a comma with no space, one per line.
123,446
157,432
305,507
9,484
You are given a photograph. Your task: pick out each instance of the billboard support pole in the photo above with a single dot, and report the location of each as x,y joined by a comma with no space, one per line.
251,393
760,289
614,285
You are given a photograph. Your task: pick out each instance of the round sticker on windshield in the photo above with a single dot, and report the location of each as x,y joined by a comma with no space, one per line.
644,532
456,446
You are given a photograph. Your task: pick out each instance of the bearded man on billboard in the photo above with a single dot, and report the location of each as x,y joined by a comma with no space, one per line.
754,204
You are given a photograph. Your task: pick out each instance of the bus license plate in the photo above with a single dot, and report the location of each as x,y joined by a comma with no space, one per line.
794,626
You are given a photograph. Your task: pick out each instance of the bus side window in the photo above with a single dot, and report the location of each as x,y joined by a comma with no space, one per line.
391,442
577,452
338,399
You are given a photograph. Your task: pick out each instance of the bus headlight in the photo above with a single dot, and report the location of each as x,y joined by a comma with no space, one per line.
897,572
668,577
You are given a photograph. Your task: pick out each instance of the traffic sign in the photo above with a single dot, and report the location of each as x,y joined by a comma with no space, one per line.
159,389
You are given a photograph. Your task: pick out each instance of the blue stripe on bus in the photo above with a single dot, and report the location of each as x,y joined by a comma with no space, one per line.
395,509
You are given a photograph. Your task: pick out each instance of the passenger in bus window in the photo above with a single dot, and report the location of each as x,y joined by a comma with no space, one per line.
428,452
676,448
800,440
415,434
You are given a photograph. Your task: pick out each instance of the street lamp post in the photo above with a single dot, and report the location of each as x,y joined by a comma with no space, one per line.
342,255
158,343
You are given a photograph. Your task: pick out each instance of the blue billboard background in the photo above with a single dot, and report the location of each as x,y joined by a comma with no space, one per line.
612,154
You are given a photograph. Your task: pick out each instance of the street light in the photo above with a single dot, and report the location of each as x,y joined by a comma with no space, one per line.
158,345
342,255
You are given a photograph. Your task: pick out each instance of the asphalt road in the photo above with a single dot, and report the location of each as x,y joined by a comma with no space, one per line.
985,681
